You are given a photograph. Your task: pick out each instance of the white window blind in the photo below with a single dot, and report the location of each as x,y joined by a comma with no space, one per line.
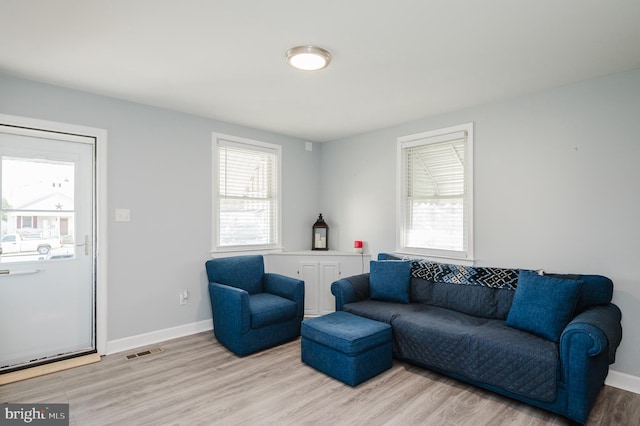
435,198
247,195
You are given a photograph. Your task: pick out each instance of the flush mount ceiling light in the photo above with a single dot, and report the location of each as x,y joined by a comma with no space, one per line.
308,58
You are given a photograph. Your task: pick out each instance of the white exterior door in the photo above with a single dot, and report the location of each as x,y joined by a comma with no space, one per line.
47,268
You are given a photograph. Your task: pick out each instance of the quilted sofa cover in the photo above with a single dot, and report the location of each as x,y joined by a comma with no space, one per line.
455,324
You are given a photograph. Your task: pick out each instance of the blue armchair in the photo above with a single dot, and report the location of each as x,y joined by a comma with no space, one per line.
252,310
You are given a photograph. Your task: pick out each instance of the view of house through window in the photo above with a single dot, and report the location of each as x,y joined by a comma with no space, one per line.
247,203
37,209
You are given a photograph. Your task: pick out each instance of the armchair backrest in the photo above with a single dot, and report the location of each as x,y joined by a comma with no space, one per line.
243,272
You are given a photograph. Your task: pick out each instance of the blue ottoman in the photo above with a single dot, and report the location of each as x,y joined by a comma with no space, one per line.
347,347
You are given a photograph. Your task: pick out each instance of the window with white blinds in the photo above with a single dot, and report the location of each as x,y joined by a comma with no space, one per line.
247,194
435,202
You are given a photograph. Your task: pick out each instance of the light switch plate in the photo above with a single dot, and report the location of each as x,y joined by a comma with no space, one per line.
123,215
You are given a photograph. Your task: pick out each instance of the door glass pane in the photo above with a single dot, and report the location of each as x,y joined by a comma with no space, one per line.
37,210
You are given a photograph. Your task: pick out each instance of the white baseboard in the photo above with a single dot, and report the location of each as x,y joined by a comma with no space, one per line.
623,381
128,343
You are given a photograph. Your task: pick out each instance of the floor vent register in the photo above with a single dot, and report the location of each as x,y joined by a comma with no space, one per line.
144,353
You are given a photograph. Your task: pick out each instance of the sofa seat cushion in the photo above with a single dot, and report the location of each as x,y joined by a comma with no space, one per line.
479,291
474,300
379,310
346,333
484,350
266,309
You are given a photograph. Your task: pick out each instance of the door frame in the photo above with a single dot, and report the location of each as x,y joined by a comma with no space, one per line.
100,135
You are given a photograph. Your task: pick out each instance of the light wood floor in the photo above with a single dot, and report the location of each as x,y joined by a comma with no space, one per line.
195,381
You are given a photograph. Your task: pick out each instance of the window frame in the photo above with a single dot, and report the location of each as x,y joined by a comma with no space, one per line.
251,144
466,255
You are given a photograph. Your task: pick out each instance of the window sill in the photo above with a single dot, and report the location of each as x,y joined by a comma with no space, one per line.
241,251
435,258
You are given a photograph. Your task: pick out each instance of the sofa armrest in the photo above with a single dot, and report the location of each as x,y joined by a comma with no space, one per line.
602,326
350,289
587,347
287,287
230,309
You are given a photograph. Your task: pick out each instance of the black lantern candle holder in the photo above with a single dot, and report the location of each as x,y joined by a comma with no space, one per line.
320,236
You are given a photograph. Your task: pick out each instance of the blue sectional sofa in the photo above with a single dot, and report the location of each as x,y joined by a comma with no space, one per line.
544,339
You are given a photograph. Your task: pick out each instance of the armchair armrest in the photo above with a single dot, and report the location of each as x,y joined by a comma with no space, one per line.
350,289
287,287
230,309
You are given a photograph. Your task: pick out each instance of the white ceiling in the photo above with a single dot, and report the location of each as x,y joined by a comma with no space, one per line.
393,61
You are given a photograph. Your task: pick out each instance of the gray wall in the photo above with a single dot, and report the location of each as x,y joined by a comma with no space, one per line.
556,187
159,166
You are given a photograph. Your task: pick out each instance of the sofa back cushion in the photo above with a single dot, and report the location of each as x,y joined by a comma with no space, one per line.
479,291
485,291
473,300
596,289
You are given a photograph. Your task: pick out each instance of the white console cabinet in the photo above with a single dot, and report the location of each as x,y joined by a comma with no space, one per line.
318,269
